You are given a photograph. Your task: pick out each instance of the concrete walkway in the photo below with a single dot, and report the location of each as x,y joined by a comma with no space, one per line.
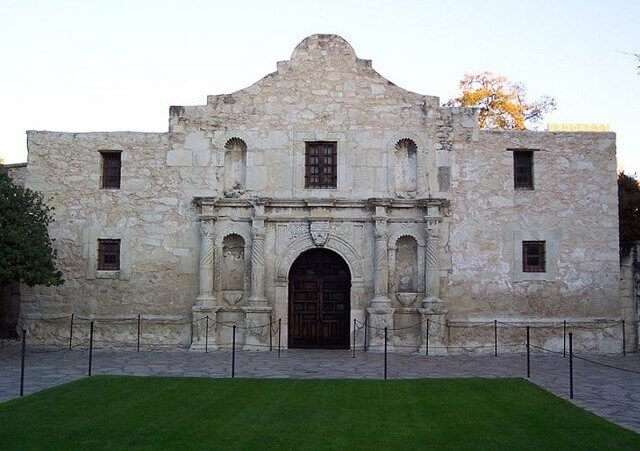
610,393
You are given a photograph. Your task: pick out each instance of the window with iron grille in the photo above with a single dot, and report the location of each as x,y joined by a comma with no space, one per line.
111,168
523,169
533,256
321,169
109,255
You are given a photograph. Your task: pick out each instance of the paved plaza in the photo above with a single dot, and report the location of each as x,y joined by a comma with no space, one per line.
608,392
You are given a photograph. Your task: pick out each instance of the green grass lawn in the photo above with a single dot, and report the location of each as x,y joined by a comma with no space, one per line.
106,412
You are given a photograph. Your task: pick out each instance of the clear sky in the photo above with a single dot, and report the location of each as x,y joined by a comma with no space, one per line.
119,65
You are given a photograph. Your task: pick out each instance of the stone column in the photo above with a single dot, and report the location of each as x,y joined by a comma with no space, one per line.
205,302
432,306
257,296
206,262
381,261
380,312
431,271
257,310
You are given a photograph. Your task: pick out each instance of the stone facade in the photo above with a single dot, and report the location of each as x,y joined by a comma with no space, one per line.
213,214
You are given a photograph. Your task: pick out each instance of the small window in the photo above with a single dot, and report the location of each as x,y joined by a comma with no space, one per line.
533,256
111,170
523,169
109,255
321,165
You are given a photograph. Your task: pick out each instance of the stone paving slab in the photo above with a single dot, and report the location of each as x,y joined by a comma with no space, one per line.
608,392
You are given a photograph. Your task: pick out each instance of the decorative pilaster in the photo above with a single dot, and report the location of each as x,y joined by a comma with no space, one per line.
432,307
257,311
381,261
432,273
257,296
206,262
205,302
380,312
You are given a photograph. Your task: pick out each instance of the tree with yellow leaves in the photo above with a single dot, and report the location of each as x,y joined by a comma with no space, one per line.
502,103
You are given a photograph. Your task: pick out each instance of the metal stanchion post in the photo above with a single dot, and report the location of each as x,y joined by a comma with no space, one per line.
270,334
564,338
90,347
279,334
24,346
427,347
365,332
354,339
495,338
385,352
138,332
624,341
233,353
71,332
206,335
528,356
570,365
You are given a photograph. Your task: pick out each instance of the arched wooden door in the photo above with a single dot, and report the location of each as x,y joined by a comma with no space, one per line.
319,301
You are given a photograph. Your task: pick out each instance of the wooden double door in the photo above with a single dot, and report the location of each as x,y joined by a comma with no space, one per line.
319,301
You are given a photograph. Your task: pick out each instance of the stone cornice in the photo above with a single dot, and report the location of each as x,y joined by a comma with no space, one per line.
321,203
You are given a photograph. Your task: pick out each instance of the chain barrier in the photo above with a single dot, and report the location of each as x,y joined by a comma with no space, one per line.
606,365
88,343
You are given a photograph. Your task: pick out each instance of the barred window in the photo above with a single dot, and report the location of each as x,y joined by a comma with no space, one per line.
109,255
523,169
111,168
533,256
321,165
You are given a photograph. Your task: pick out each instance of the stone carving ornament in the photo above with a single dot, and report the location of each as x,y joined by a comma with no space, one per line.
319,231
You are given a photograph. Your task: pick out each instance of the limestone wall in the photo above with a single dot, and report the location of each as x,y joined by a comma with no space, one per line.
150,214
323,93
573,206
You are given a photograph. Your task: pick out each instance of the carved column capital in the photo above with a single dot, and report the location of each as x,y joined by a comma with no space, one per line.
432,226
207,227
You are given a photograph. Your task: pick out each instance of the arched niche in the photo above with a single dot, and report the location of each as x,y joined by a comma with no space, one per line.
406,272
227,241
402,242
405,157
233,263
235,167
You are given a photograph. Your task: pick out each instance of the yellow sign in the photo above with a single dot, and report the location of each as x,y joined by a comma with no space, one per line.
577,127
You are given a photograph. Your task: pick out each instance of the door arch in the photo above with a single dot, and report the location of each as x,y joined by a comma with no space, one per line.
319,301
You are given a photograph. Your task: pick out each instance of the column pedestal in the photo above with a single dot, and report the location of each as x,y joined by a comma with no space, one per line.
434,310
200,311
378,319
256,338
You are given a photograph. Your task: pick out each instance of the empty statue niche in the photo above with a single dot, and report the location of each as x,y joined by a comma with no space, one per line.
235,167
406,166
233,269
406,270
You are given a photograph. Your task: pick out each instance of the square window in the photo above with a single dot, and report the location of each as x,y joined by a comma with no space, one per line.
109,255
320,165
523,169
533,256
111,169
